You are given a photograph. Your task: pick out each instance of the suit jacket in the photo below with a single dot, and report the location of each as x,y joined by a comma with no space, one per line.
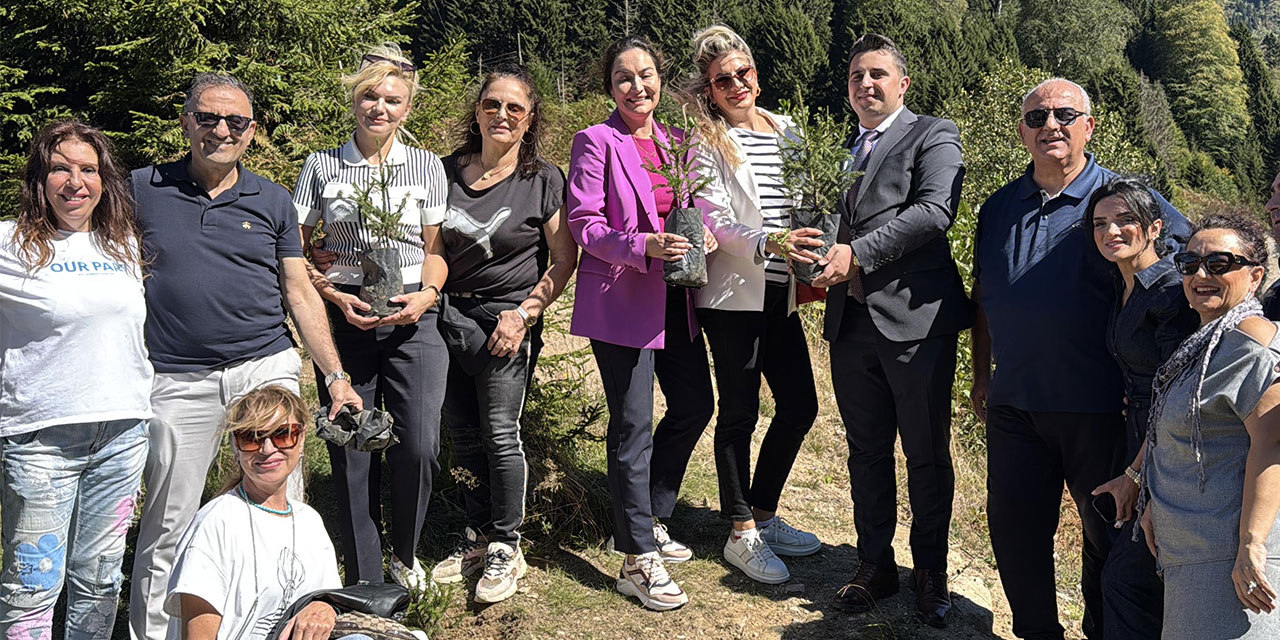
735,272
620,296
898,230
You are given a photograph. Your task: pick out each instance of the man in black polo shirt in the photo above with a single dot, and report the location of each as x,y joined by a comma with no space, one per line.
225,258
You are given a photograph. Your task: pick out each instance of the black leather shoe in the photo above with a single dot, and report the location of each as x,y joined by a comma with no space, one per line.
870,583
933,599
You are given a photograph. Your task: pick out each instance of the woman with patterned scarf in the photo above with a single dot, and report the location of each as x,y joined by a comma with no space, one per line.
1212,472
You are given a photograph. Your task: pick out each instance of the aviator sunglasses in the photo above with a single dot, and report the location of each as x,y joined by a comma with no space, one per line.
725,81
237,124
515,110
1037,118
1215,263
284,437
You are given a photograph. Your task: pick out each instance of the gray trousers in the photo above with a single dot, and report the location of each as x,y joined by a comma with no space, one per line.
185,434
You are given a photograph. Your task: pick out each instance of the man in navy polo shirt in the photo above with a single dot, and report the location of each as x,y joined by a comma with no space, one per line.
225,258
1053,409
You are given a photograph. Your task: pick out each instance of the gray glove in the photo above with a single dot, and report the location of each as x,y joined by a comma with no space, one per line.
368,430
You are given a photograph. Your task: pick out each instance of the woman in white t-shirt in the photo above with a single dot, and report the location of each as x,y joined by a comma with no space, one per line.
75,385
250,552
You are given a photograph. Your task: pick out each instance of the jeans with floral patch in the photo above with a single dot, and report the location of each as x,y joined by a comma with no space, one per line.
68,499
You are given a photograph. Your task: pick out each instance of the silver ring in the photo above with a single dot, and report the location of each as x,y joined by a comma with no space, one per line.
1252,587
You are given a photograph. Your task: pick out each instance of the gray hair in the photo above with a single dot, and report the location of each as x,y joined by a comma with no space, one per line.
1088,104
206,81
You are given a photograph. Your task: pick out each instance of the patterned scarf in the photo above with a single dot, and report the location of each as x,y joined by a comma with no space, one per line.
1198,348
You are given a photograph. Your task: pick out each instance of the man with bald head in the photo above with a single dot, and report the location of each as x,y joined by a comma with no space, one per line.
1053,409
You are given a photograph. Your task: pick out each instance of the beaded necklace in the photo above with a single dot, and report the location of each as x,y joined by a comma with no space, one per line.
288,507
253,540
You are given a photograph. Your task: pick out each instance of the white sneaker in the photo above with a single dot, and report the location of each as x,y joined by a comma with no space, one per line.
748,552
463,561
415,578
672,551
503,566
786,540
646,578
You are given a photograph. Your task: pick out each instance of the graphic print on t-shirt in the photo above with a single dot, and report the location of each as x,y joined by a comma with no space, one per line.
459,220
291,575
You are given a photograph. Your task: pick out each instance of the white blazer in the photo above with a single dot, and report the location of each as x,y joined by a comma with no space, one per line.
735,271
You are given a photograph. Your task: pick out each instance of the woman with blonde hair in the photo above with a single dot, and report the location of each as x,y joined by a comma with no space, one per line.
398,362
748,307
251,552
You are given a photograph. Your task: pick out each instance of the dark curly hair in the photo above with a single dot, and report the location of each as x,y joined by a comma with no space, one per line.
1138,198
622,46
530,145
1252,235
112,223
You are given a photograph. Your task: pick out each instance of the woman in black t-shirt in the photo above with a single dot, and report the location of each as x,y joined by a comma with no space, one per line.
504,215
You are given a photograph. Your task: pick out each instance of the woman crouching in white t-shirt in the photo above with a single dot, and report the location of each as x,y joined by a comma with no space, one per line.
75,385
250,552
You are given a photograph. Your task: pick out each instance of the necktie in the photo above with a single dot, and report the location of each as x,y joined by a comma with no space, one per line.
860,164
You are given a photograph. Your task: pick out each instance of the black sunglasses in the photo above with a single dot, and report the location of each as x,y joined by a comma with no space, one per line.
406,67
237,124
284,437
1215,263
1036,118
725,81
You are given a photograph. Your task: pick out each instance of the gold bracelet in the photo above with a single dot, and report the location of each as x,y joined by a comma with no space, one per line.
1133,475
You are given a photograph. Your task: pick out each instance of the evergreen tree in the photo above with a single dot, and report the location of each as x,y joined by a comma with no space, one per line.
1198,66
1082,40
1264,109
789,50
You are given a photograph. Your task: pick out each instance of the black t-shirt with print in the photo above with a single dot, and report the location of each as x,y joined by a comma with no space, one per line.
493,238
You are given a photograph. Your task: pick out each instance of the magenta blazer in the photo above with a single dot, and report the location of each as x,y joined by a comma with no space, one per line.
620,297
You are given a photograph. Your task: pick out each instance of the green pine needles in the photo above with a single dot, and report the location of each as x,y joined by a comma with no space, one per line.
678,168
816,167
383,222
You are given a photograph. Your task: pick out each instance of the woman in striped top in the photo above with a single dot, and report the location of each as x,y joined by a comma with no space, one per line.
748,307
398,362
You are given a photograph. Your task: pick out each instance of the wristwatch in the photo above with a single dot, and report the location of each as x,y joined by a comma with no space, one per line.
336,376
529,320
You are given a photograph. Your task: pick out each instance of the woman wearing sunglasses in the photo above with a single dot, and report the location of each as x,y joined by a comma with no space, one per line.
1213,447
639,327
748,307
1150,320
251,552
504,218
397,362
77,382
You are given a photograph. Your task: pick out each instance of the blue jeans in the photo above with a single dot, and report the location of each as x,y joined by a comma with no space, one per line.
68,499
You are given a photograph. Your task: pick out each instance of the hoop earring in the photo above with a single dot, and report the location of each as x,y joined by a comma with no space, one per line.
525,138
474,129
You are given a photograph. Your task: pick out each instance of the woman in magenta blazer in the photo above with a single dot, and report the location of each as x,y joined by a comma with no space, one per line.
638,325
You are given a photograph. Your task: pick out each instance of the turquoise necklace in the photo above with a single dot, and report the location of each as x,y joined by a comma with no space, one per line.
288,507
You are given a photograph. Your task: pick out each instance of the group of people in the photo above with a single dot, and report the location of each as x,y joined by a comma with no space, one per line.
1132,358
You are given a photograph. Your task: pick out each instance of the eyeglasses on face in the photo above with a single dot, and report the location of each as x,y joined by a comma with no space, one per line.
283,437
1065,116
1215,263
515,111
236,123
406,67
726,81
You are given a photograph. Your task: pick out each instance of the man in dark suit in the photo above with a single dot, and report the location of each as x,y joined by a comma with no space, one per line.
895,307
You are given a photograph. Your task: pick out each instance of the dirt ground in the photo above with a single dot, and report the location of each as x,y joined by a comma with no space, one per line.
570,593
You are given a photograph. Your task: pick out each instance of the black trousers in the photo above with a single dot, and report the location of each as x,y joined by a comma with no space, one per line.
403,370
1029,456
643,486
1132,592
746,345
884,390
